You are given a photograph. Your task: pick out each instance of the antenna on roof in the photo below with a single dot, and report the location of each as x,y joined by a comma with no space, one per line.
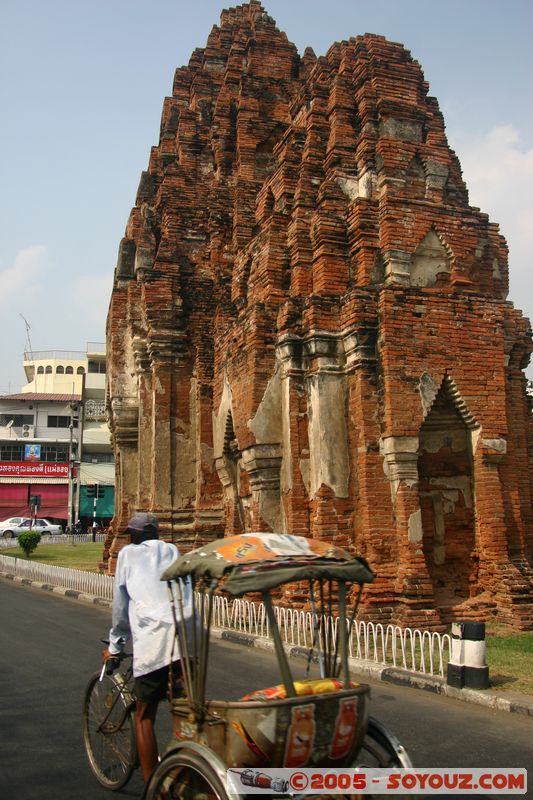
28,340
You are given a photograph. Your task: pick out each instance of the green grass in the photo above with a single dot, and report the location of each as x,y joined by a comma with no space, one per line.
510,659
84,556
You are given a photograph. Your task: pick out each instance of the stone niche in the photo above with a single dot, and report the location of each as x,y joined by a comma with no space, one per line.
308,332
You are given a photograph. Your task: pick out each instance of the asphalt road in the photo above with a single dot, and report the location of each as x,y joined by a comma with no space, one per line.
50,645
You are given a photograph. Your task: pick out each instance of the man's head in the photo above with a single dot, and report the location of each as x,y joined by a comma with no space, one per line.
143,526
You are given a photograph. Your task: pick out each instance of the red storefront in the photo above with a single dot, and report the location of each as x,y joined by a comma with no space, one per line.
20,480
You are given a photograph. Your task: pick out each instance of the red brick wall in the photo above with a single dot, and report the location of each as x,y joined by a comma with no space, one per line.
302,265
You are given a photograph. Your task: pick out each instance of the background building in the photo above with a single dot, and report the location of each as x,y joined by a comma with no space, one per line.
56,423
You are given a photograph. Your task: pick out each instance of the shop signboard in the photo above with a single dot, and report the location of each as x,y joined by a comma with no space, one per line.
36,469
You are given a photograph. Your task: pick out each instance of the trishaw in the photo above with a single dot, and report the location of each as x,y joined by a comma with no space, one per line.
319,722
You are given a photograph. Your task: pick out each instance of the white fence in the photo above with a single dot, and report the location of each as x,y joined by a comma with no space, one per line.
55,539
408,648
76,579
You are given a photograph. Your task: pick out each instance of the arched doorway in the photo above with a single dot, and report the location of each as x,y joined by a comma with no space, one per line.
235,516
447,501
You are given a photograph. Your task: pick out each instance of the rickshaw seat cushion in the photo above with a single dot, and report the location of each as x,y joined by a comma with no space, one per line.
302,688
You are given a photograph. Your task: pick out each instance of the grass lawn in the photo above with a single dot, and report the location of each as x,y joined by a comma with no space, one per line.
510,659
79,556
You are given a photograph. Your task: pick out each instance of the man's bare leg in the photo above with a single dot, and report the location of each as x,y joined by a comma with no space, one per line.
145,714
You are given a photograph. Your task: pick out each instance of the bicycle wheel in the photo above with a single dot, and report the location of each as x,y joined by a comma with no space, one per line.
381,749
108,730
184,775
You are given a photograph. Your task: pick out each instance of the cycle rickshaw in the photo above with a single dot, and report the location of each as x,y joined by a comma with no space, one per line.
318,722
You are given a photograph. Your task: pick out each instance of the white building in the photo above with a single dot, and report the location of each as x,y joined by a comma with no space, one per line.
56,420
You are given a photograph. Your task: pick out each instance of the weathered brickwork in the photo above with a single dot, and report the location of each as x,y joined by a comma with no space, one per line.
308,330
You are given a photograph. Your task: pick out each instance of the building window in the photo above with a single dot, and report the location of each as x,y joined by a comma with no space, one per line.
59,421
48,370
80,371
69,371
94,409
18,419
60,370
11,452
98,458
97,366
40,370
54,452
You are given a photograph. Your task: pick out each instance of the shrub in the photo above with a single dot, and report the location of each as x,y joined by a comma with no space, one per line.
28,541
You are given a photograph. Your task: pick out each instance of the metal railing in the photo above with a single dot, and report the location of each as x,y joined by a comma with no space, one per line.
416,650
426,652
40,355
92,583
56,539
96,347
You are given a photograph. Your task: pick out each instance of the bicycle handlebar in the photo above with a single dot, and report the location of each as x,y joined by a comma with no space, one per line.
113,662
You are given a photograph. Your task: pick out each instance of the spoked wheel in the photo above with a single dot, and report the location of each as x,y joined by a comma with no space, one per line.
382,750
108,731
184,775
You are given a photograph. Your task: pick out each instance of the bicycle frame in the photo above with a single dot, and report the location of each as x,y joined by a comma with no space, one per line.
126,694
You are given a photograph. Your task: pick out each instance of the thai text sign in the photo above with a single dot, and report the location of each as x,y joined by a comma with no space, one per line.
37,469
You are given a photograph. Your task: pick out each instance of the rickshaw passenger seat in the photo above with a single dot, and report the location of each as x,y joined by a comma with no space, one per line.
304,687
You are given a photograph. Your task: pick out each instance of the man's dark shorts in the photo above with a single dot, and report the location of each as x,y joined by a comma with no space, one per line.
154,686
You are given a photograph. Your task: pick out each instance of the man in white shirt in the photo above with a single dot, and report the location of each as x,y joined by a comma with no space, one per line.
142,610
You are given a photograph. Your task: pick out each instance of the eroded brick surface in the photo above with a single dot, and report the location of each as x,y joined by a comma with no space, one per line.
308,330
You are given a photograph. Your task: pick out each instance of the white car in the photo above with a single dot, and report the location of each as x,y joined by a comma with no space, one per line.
25,524
8,525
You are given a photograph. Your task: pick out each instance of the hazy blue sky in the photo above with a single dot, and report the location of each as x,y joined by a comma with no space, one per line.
81,94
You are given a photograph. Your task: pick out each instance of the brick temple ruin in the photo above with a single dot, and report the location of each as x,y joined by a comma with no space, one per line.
308,329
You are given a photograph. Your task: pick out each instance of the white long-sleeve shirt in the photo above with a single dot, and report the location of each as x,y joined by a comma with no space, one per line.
141,605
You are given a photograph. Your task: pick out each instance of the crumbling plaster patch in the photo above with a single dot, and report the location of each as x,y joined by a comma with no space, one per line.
305,471
354,188
220,418
328,435
433,441
499,445
266,425
285,477
400,457
184,436
415,530
429,261
459,483
428,389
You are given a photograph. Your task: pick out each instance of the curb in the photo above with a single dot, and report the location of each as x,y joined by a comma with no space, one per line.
48,587
517,703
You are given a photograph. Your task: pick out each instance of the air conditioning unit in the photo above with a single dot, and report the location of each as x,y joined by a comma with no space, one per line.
28,431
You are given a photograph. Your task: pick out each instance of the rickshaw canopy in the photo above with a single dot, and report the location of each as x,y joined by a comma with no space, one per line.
257,562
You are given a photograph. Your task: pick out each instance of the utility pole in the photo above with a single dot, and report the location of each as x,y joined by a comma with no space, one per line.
96,495
81,426
72,462
70,476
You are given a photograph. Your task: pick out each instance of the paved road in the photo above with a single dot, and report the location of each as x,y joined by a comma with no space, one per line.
50,645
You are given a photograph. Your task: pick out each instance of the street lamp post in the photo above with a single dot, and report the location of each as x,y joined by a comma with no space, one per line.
70,476
71,463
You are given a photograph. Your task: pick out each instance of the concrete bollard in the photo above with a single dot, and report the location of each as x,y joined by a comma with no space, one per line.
467,667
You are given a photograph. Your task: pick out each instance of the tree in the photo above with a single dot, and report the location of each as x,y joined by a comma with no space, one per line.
28,541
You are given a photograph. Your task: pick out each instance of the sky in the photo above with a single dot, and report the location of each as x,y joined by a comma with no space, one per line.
81,93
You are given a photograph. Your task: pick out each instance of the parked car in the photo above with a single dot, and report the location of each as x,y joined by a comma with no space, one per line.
39,525
8,525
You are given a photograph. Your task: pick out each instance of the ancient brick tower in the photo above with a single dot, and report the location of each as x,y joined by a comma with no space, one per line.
308,329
